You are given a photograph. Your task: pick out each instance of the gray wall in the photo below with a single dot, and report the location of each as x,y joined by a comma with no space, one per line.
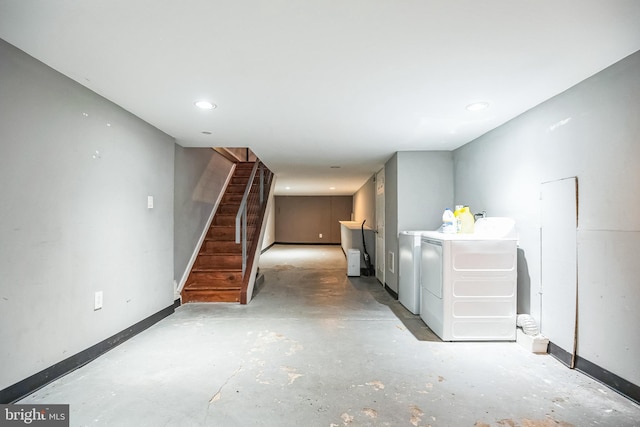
391,217
590,131
418,187
425,188
301,219
364,203
270,228
200,176
76,171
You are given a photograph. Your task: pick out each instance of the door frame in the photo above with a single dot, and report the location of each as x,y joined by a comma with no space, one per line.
379,227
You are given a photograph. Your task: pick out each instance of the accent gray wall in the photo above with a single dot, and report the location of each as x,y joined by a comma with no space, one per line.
200,177
589,131
76,171
364,203
425,188
301,219
418,187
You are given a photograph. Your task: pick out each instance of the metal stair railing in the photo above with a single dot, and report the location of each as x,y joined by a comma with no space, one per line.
250,206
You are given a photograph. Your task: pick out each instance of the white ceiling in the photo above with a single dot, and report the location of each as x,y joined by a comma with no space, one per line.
318,83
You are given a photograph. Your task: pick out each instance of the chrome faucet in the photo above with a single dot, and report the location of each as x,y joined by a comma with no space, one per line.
482,214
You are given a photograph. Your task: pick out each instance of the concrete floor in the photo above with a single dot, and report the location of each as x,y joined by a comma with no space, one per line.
316,348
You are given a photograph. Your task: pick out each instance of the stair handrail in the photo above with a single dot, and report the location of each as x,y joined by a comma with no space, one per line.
241,216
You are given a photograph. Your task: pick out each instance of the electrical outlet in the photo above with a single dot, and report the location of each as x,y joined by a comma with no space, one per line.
149,202
320,235
97,302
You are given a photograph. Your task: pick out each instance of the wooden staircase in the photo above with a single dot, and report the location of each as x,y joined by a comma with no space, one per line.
216,275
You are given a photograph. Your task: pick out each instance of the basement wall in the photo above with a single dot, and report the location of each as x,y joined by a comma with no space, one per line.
76,171
418,187
364,203
590,131
302,219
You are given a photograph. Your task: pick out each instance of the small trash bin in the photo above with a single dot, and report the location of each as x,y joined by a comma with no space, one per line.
353,262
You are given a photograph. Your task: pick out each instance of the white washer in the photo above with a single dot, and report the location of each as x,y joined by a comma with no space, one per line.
469,282
409,270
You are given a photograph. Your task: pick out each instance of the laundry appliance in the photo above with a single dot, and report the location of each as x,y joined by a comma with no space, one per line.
409,270
469,282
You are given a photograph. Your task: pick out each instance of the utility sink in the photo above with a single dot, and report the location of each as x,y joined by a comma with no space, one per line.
490,228
495,228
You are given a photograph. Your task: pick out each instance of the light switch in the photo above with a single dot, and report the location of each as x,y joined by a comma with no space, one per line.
150,202
97,304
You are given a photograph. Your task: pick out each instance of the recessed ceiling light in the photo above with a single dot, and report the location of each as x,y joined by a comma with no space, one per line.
287,188
477,106
205,105
332,188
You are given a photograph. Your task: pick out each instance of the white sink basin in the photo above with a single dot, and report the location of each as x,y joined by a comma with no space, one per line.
495,227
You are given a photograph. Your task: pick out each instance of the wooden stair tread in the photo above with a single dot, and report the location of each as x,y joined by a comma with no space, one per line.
221,245
210,269
206,296
226,227
211,252
221,255
198,286
218,259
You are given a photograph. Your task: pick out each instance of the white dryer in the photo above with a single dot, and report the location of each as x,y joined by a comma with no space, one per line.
469,281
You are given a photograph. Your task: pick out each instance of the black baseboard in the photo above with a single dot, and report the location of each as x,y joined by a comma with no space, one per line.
298,244
559,353
267,248
36,381
306,244
365,272
620,385
391,292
